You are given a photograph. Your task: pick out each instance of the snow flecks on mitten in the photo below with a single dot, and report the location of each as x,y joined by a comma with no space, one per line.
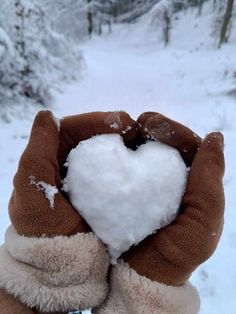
114,120
49,190
128,128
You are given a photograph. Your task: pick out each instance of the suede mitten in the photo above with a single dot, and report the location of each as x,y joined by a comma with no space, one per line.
152,277
51,261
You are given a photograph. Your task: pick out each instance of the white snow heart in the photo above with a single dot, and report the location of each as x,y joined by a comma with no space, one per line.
125,195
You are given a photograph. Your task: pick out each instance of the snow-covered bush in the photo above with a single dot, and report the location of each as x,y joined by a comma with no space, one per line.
8,56
34,57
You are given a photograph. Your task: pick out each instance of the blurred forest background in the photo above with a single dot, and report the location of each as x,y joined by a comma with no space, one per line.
39,40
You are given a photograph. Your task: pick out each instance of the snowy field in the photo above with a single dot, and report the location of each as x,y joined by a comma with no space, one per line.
189,81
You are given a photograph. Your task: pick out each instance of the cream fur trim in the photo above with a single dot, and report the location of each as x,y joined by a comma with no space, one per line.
131,293
54,274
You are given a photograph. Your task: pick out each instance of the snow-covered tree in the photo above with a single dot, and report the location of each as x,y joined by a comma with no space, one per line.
78,19
8,58
131,10
161,15
102,12
34,57
67,17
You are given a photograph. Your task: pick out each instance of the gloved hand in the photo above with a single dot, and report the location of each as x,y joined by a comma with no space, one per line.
31,213
153,278
41,267
172,254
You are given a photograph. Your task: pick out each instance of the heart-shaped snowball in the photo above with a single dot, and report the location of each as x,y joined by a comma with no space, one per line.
124,195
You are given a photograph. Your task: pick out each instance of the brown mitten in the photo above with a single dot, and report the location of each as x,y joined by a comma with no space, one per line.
51,262
32,210
154,277
171,255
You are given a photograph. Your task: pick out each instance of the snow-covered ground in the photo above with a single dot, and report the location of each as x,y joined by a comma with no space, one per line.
189,81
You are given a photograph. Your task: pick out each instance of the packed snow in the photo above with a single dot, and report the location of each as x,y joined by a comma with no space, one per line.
190,81
125,195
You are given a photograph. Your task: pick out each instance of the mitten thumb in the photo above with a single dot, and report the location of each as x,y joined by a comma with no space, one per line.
36,207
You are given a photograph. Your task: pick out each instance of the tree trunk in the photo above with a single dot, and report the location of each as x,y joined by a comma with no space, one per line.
100,27
90,19
20,28
109,27
226,21
166,28
200,5
20,45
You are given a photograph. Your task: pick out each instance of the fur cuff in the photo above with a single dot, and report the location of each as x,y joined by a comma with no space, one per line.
54,274
132,293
